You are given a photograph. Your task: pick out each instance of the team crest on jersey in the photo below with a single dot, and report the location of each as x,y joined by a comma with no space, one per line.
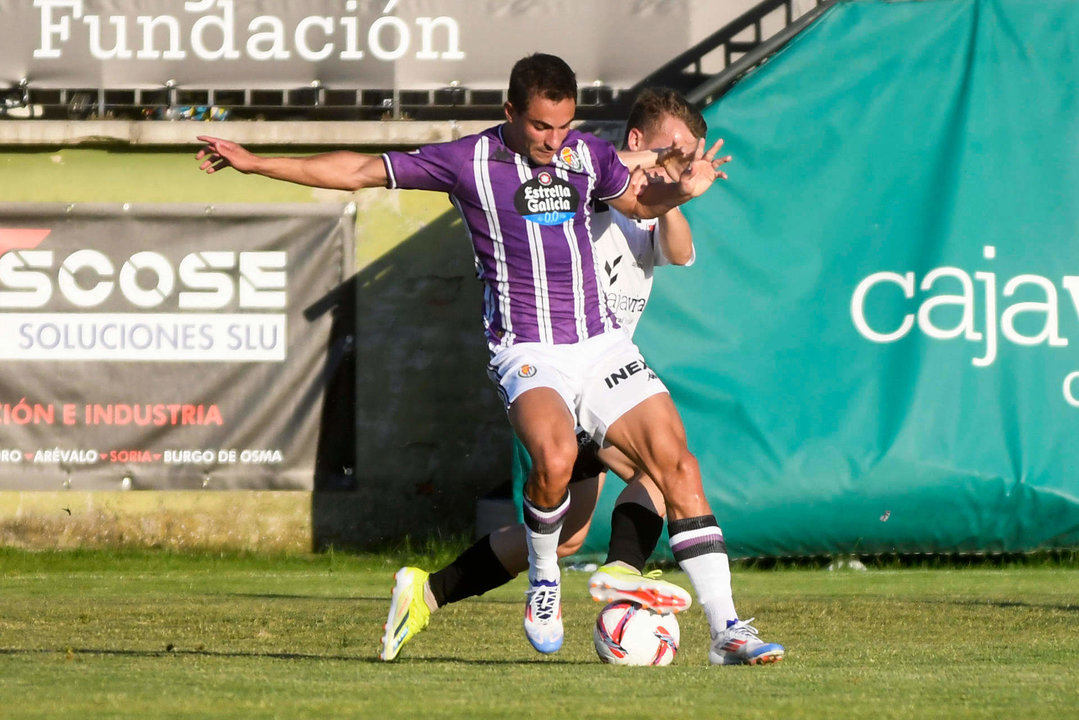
526,371
571,160
547,200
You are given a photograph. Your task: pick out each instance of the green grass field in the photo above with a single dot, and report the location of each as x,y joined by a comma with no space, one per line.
159,635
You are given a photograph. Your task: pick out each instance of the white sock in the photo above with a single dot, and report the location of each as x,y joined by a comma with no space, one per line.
542,529
700,551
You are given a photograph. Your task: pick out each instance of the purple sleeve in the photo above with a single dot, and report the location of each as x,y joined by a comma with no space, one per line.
431,167
612,177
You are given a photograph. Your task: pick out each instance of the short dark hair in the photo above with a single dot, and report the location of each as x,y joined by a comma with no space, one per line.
539,74
653,103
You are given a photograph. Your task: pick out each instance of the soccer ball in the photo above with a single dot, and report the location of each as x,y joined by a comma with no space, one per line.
628,634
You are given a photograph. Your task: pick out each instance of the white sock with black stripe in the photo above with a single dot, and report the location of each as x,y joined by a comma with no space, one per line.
699,549
543,526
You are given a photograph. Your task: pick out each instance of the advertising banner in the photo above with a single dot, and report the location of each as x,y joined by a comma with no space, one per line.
341,44
876,350
164,347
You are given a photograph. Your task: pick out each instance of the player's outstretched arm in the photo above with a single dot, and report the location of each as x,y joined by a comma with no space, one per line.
339,170
673,233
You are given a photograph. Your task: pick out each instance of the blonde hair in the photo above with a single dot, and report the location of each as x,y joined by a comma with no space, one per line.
654,103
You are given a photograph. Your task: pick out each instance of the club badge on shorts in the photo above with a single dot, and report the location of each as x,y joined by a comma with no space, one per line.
526,371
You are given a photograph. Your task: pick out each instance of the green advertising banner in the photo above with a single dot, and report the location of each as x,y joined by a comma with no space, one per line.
877,349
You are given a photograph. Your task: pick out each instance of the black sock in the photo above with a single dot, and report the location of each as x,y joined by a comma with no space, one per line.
635,530
474,572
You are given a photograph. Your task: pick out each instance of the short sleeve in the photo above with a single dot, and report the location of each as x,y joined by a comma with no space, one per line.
612,177
431,167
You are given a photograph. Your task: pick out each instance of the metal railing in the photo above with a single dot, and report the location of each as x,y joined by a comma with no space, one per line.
708,91
302,103
732,49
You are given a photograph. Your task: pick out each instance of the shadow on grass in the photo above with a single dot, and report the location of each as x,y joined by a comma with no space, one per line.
370,660
1001,604
358,598
313,598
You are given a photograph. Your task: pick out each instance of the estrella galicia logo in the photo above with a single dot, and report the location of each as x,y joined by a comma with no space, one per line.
547,200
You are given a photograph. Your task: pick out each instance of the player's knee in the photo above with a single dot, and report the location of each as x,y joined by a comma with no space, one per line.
682,475
688,469
554,463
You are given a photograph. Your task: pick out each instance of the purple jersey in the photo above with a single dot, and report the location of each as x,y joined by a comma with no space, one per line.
530,228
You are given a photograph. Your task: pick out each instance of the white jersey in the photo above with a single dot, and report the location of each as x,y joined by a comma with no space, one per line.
627,251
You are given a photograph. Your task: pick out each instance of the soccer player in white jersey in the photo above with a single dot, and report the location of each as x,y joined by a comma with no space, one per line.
627,251
526,190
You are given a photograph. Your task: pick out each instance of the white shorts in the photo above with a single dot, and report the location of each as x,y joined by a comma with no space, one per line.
599,379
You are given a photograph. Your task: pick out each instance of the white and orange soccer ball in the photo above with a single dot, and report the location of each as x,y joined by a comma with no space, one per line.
628,634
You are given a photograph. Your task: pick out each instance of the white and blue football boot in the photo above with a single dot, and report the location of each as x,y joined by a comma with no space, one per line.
543,615
739,645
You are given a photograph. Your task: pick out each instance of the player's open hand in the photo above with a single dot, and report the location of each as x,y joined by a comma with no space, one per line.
675,159
219,154
704,170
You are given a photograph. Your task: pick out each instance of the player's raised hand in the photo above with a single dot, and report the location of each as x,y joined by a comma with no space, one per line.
219,154
704,170
675,159
710,156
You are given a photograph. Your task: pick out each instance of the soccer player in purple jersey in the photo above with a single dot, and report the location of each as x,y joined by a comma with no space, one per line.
661,123
526,191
